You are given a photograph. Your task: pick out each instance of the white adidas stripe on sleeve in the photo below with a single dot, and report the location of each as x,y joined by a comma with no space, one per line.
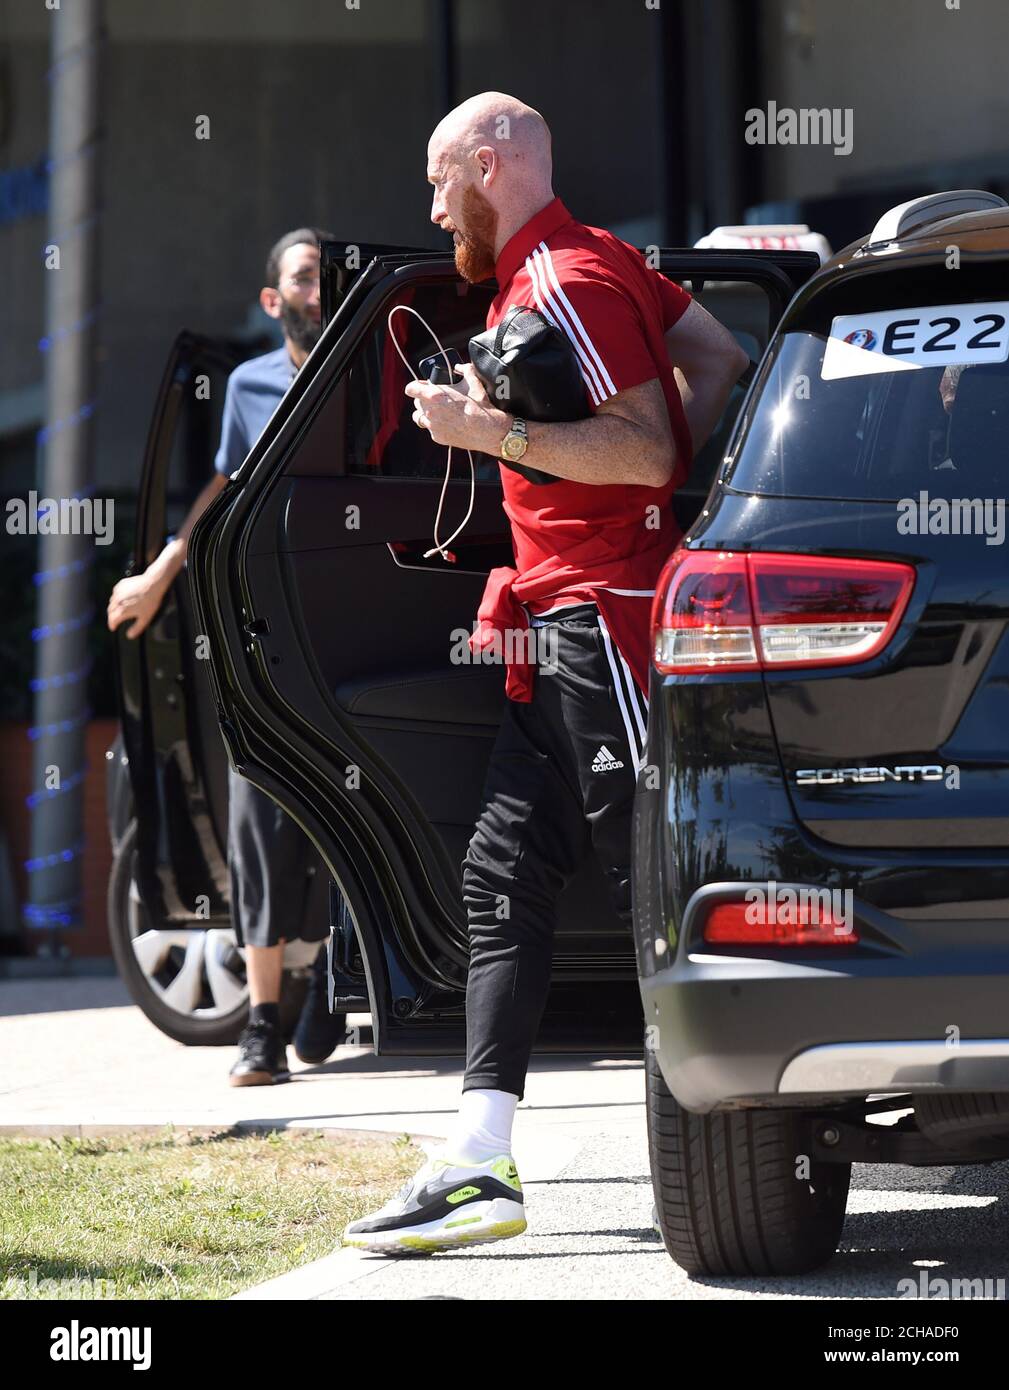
548,306
544,252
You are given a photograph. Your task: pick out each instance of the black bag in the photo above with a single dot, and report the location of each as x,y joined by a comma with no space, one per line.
537,363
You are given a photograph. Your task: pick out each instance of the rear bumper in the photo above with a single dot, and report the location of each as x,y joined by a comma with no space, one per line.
742,1026
975,1065
916,1007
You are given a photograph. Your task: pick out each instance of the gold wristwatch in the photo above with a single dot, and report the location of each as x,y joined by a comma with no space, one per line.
515,442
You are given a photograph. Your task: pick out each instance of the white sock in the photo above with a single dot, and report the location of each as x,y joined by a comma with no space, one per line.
484,1127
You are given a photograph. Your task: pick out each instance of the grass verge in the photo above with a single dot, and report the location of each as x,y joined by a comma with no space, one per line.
178,1215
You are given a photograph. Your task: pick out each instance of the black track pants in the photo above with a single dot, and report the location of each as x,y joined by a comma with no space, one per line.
563,771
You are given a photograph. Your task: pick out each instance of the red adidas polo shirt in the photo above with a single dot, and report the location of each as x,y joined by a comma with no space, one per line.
579,541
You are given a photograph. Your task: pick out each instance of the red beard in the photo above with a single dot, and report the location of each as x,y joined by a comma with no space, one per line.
474,252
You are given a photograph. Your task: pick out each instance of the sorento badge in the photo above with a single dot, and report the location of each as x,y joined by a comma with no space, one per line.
838,776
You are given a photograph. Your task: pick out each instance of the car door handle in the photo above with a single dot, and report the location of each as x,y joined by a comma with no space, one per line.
470,555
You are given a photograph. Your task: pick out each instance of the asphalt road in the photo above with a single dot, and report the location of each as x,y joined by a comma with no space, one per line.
82,1056
590,1238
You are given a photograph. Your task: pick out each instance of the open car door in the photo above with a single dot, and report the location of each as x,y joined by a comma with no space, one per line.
178,786
338,655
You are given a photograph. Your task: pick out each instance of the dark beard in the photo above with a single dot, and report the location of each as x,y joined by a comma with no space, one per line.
474,252
302,330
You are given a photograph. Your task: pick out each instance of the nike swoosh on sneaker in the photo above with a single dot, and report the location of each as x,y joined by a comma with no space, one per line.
446,1205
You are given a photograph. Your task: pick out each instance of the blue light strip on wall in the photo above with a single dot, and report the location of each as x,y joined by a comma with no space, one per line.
62,333
51,916
61,678
47,794
61,726
58,856
58,426
63,571
39,634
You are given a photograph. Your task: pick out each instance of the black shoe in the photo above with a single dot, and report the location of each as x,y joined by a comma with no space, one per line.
262,1057
319,1032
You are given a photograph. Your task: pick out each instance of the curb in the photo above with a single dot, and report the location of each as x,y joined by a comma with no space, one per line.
346,1265
57,968
318,1279
50,1130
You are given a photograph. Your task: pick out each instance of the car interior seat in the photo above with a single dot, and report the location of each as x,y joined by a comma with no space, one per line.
979,428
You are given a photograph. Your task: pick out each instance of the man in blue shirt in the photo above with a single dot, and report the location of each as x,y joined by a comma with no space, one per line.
254,389
268,855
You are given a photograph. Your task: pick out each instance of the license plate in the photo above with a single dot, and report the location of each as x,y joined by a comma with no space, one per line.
893,340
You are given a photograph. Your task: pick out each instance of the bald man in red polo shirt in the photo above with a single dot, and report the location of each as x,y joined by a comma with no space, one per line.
658,371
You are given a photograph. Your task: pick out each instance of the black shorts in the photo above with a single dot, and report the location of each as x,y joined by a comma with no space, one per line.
272,868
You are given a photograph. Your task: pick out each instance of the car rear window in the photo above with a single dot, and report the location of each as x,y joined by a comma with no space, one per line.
885,433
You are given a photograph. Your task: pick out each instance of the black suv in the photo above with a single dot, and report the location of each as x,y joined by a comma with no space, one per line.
822,863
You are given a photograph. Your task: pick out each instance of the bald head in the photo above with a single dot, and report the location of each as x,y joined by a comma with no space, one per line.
490,163
517,135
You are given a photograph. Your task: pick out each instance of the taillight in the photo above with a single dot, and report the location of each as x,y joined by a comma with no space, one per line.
807,922
753,610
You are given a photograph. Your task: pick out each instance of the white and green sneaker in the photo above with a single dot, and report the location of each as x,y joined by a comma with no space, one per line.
443,1206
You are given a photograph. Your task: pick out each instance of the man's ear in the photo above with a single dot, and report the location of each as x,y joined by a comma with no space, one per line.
488,163
271,301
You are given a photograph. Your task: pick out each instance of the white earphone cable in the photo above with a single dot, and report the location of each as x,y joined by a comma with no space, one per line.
440,547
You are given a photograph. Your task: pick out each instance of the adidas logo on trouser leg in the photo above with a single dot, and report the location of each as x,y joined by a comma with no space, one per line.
605,761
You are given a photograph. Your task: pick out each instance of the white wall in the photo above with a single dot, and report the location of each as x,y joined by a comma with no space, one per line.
926,84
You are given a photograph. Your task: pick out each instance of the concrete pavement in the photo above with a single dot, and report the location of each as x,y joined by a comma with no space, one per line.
78,1057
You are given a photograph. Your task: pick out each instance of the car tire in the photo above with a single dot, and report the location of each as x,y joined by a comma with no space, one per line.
962,1118
726,1189
214,1019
